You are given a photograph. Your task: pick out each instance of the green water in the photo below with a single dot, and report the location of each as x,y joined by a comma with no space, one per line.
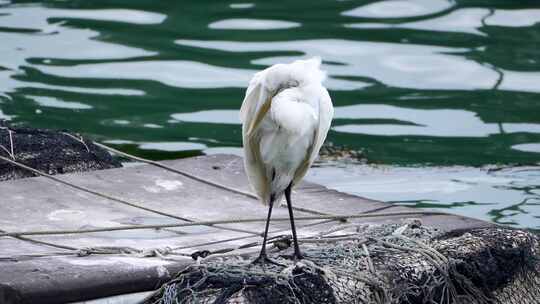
430,90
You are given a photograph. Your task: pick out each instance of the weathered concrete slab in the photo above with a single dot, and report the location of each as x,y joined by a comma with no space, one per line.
41,204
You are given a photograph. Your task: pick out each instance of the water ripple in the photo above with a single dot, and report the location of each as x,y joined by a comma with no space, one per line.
55,103
252,24
181,74
399,8
398,65
28,17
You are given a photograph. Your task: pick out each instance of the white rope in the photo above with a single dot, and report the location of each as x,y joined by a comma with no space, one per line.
223,221
110,197
10,152
194,177
79,139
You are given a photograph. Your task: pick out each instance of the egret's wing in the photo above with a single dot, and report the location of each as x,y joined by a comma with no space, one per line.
254,107
256,103
326,112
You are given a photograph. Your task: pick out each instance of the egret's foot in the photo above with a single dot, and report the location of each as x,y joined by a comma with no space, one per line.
264,260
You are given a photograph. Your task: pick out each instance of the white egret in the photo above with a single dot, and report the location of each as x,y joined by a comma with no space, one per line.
285,115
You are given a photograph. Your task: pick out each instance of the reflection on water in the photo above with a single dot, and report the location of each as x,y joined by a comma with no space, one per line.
251,24
171,146
180,74
468,20
241,5
438,123
528,147
508,196
399,8
398,65
35,18
55,103
414,82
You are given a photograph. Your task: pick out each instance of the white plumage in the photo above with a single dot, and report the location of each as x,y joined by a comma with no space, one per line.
285,115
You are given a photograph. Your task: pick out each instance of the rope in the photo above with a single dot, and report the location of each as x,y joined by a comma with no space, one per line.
186,174
191,222
12,153
3,233
194,177
214,222
248,237
42,242
109,197
79,139
279,242
162,252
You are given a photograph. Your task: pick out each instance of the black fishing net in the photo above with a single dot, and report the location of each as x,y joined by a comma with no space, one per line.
51,152
380,264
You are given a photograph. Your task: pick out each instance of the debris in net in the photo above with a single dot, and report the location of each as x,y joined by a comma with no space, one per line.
52,152
383,264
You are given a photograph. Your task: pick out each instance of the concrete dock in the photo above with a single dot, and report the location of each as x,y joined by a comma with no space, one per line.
57,268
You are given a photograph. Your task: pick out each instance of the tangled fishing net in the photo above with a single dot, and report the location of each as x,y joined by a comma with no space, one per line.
380,264
51,152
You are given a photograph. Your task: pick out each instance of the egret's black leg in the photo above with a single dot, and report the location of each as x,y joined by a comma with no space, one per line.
263,248
263,257
297,254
